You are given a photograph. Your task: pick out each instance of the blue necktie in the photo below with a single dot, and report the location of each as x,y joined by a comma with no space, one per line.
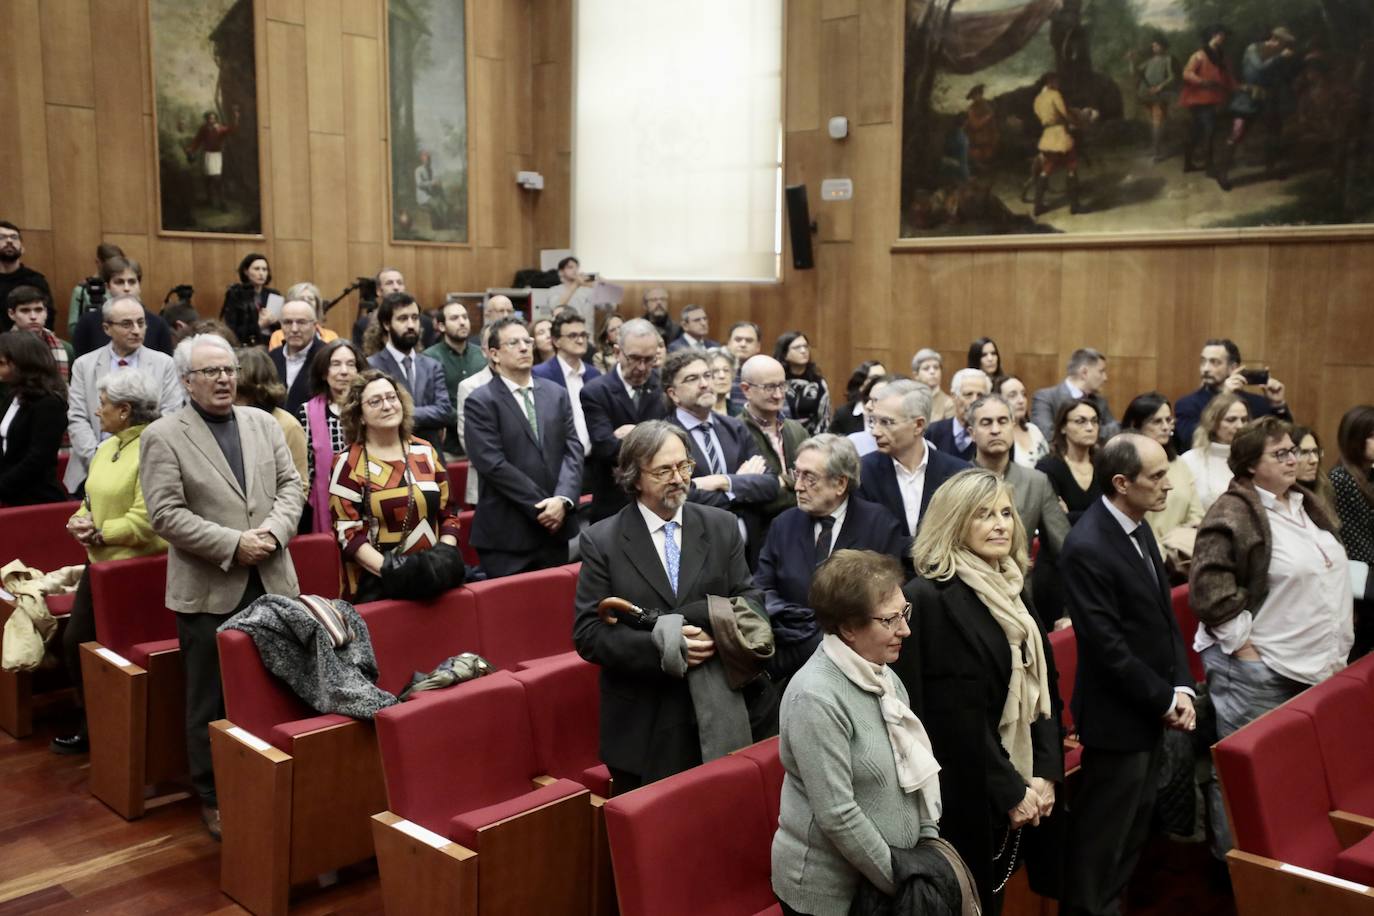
671,555
712,457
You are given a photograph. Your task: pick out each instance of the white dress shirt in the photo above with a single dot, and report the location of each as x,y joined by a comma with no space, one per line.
838,515
912,485
294,363
414,356
573,378
10,413
130,361
656,533
1305,627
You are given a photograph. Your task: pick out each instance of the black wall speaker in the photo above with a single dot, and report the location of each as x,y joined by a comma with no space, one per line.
799,226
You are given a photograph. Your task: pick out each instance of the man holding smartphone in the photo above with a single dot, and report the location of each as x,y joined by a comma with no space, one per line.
1221,370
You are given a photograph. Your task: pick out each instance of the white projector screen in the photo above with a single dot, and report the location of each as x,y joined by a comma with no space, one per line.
677,139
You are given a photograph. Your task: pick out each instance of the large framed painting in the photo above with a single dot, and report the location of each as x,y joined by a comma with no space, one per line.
205,89
1136,120
427,80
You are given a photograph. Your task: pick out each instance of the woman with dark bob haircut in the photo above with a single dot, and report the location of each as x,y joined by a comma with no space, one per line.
245,302
808,397
860,778
332,371
31,427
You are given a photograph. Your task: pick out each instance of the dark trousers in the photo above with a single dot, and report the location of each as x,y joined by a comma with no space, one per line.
623,781
204,693
788,911
80,628
1109,826
498,563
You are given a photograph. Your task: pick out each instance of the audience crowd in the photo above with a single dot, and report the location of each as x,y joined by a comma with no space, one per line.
911,549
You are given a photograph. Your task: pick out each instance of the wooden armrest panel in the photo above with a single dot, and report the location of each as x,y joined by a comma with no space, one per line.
423,873
1265,887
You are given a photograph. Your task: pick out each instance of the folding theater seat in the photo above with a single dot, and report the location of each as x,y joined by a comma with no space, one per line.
297,789
764,754
526,617
464,532
458,482
38,536
1187,626
1064,645
1342,712
471,827
698,843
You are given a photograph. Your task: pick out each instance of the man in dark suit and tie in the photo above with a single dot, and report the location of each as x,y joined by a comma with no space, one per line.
951,435
299,345
567,367
423,376
696,329
660,553
829,516
1133,673
521,440
903,473
1087,375
613,403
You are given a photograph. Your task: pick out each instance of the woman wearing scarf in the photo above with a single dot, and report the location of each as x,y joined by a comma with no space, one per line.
860,777
980,675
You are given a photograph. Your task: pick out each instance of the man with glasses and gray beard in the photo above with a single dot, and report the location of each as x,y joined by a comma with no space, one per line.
224,494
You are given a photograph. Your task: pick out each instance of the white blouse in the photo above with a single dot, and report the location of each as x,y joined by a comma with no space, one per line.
1211,472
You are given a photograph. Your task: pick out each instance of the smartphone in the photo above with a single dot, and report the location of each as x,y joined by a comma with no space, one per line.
1255,376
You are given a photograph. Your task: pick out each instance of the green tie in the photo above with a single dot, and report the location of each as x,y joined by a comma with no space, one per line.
529,411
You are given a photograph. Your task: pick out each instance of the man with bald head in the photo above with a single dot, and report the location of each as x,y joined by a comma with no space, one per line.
1133,678
656,311
299,344
763,383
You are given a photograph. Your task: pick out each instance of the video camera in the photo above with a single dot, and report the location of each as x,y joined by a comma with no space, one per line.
95,293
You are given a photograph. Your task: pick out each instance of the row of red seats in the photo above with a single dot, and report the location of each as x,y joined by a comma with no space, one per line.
1299,789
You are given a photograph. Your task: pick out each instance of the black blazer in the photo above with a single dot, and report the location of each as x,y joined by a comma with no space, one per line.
737,446
845,421
606,406
28,468
1130,653
648,725
941,433
956,666
299,392
89,333
879,482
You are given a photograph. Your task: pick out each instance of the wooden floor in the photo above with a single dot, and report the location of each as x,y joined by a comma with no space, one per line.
62,852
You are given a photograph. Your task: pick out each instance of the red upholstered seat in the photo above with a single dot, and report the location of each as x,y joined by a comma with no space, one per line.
1357,862
1276,793
408,636
457,482
464,533
1187,625
128,597
464,828
38,536
459,753
1362,672
710,820
765,757
525,616
1342,711
254,699
60,605
1064,645
316,558
139,652
563,697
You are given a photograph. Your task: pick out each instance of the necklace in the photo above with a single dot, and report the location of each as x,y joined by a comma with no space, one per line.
1011,865
119,447
1301,522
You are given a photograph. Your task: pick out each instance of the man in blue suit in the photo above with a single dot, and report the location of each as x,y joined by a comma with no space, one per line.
730,473
951,435
567,368
423,376
903,473
521,440
1220,370
829,516
613,404
696,328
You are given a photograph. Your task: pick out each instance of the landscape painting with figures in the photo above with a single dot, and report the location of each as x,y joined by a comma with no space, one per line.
205,83
427,71
1088,117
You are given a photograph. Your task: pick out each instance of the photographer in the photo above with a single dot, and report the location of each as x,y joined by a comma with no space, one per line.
245,302
123,277
89,294
1221,370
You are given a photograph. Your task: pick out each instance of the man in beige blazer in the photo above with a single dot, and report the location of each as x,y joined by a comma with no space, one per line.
223,492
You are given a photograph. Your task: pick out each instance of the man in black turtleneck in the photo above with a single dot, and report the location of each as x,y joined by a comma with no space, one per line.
222,490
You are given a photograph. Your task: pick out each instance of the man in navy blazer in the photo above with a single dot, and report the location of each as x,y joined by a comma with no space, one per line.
1133,678
829,516
299,345
951,435
613,404
567,368
1220,371
903,473
423,376
696,326
521,440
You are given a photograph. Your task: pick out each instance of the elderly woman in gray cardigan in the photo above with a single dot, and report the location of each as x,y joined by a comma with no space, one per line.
860,776
1271,587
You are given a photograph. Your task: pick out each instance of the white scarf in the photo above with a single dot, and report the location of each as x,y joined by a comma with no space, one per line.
917,769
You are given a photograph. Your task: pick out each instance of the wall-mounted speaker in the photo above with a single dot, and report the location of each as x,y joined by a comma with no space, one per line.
800,227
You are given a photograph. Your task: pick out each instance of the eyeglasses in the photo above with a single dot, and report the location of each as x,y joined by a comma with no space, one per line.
1084,421
128,324
808,479
388,398
886,422
891,622
682,469
1285,454
580,335
210,373
1310,453
520,343
638,360
769,387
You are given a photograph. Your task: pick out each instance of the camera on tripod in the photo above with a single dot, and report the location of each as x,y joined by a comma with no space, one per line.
95,293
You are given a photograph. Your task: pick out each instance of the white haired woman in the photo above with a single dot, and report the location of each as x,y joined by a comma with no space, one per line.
112,523
305,292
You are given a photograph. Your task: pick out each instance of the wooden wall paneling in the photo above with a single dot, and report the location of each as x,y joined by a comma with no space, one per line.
1036,371
214,266
837,9
1239,287
122,142
1348,317
24,183
171,261
293,261
1299,298
1082,309
1128,376
362,17
802,76
364,258
551,28
75,192
329,219
401,257
993,302
1342,387
287,89
1039,279
1131,313
368,220
881,30
39,254
289,11
68,75
953,319
1186,296
486,223
833,318
324,66
487,19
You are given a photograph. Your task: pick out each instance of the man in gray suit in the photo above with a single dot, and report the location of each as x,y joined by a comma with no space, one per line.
126,327
222,490
990,424
423,376
1087,376
521,438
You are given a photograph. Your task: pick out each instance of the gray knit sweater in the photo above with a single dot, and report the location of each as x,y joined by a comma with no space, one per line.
842,809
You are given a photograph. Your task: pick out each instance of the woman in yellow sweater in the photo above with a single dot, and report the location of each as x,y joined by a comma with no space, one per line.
112,522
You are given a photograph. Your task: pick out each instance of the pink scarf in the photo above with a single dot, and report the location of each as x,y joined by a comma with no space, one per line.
317,412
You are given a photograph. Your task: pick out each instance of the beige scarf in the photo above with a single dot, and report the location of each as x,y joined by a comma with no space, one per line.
1028,693
917,768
